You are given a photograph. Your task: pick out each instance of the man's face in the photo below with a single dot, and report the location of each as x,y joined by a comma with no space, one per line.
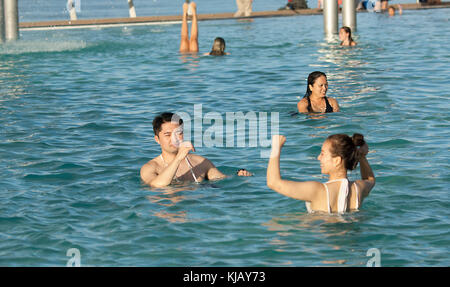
170,136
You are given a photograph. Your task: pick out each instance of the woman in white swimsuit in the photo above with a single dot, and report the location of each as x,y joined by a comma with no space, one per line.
339,153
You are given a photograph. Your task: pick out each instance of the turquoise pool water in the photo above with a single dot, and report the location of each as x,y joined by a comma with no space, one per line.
76,108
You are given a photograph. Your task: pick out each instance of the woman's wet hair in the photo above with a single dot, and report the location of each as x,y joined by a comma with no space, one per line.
349,32
218,48
311,80
165,118
346,147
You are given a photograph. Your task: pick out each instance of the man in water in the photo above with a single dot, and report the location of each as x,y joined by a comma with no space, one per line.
176,163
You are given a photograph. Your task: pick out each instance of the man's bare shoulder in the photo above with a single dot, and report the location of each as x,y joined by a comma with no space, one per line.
198,158
150,170
152,164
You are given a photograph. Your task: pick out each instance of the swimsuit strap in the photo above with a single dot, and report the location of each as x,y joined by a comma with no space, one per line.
308,206
191,169
328,198
329,108
343,194
309,104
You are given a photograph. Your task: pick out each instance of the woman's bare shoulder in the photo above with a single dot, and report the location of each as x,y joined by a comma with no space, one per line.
302,105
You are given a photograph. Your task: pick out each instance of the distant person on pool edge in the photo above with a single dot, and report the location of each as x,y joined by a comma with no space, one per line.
315,100
176,163
339,154
391,10
345,35
191,45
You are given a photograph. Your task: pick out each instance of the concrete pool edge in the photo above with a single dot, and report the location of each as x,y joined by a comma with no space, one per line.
158,20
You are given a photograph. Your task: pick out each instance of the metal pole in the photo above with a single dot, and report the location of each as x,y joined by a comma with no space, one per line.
72,10
349,14
131,9
2,22
330,16
11,20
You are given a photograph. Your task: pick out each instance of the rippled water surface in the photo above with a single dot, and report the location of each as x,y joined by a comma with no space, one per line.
76,108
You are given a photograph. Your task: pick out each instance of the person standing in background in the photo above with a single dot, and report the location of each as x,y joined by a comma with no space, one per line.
244,8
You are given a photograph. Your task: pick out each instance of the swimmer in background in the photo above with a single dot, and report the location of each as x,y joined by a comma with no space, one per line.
218,48
345,35
191,45
391,10
339,153
176,163
315,100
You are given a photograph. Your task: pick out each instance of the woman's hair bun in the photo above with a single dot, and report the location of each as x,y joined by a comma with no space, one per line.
358,140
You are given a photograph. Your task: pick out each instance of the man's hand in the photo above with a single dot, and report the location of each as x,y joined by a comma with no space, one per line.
184,149
244,172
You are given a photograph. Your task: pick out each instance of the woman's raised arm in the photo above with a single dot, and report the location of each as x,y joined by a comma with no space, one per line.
306,191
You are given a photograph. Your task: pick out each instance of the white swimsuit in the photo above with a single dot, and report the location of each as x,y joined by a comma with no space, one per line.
342,198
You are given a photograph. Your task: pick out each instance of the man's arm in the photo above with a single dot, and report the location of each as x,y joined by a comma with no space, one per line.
214,174
148,171
149,175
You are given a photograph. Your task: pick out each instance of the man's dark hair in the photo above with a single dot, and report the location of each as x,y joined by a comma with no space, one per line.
165,118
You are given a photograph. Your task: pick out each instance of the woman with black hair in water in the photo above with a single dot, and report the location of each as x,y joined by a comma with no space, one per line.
315,100
345,35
